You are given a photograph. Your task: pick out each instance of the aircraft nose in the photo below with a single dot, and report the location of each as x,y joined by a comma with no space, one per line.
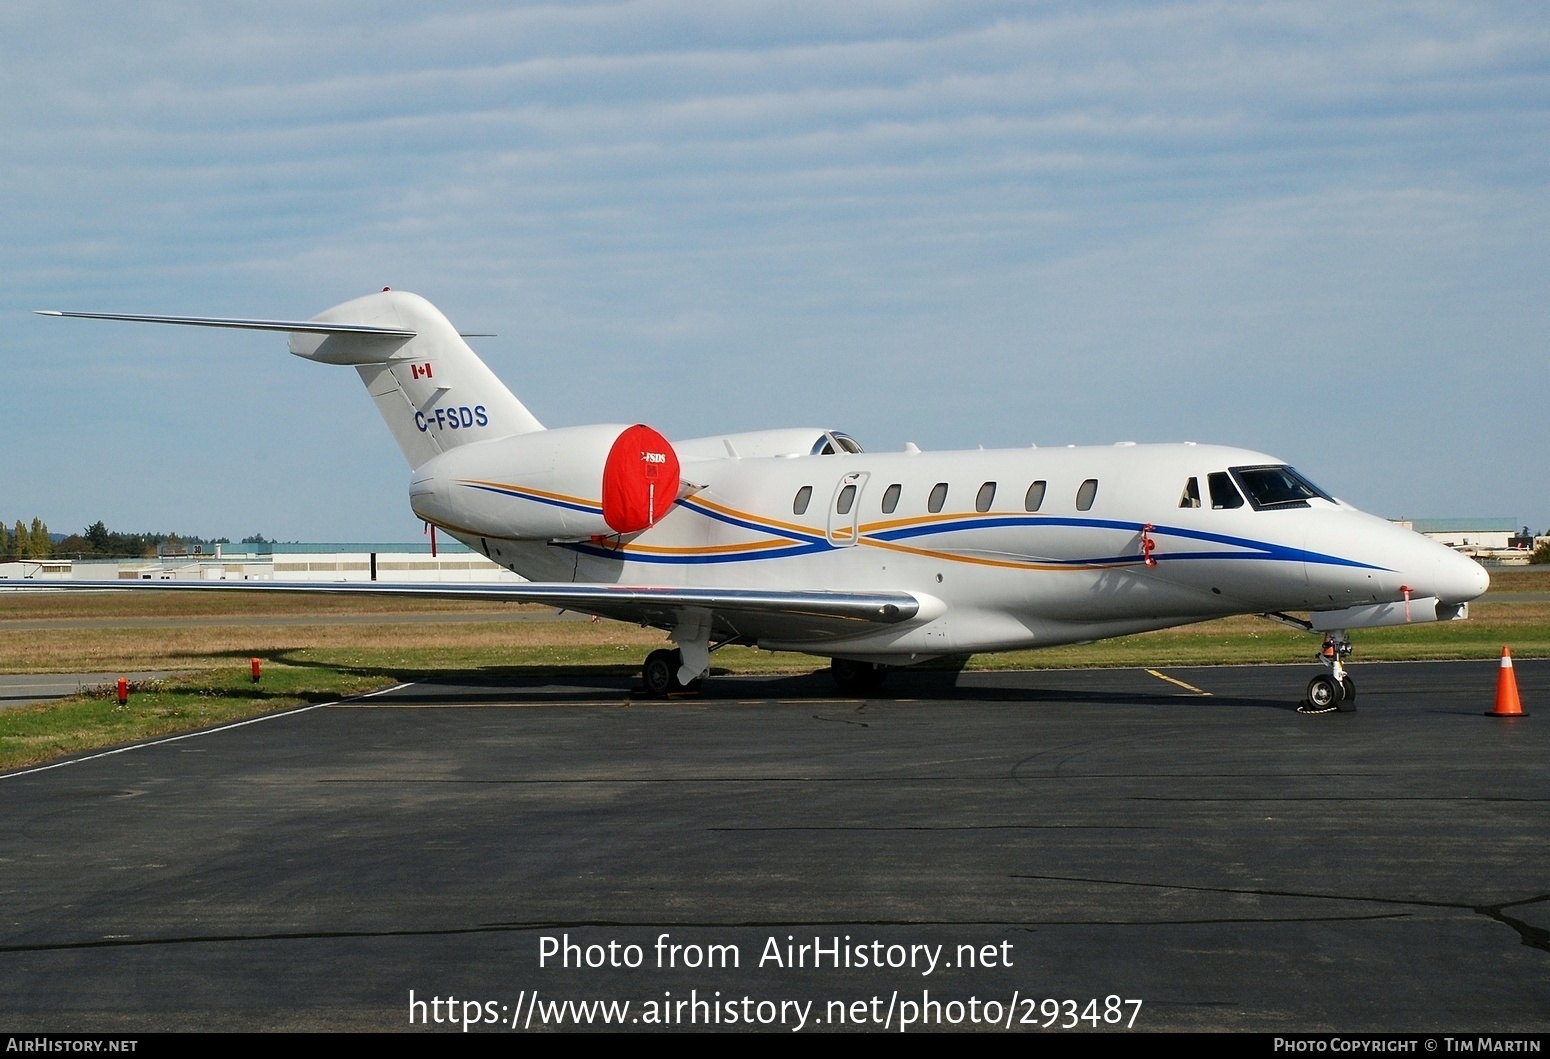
1459,578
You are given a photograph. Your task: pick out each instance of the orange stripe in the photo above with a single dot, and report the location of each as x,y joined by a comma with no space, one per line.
926,520
522,489
708,549
976,561
806,531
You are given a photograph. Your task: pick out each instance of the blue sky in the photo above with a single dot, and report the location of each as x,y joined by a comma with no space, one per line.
1314,229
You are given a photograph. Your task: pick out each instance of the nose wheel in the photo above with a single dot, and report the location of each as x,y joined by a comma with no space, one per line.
1335,690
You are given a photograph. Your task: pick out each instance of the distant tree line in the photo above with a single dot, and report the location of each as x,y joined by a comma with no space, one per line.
96,542
25,542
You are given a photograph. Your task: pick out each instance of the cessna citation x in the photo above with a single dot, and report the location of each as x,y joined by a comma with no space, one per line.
798,540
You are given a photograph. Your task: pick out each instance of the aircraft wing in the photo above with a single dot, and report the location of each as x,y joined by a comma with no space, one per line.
733,613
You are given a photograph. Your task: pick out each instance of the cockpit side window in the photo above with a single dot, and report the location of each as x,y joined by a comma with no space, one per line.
1224,496
1276,487
1191,497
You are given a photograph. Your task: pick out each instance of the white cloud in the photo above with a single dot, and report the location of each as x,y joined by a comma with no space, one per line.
1128,219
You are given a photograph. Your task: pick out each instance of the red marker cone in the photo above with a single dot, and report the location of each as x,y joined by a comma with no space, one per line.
1507,701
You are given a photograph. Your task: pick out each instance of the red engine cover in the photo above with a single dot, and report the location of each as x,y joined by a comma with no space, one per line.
640,480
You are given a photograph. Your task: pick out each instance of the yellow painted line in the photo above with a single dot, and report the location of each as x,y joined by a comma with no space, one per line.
684,700
1180,683
493,703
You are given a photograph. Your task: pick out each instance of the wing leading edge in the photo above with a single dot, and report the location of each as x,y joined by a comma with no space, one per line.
734,613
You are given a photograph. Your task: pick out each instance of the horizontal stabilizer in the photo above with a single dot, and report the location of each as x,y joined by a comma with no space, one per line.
310,327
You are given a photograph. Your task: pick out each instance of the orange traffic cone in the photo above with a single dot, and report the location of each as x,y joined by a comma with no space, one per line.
1507,702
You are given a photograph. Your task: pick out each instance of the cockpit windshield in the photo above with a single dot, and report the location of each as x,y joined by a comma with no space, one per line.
1276,487
832,441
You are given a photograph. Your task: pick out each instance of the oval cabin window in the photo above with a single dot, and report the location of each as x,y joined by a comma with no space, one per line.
1035,498
1087,494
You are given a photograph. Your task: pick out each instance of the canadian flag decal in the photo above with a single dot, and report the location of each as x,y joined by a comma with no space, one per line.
420,371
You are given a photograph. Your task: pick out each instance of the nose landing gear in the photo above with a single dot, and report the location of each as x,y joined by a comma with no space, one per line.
1334,690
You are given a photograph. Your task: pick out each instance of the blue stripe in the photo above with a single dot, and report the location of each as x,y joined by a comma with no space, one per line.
732,520
624,554
535,499
1260,549
810,544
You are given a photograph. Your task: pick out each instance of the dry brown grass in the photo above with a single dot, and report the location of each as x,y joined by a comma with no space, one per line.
102,649
32,606
1508,579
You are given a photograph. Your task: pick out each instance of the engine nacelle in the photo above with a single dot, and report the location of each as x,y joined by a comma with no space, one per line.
566,484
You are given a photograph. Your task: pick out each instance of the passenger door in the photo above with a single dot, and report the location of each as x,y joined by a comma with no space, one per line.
845,509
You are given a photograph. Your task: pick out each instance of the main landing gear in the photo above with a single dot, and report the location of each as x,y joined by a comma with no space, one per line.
857,678
660,675
1334,690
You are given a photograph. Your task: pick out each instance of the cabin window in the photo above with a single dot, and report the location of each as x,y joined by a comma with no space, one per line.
1035,498
1191,497
847,497
1087,494
804,497
985,497
891,498
1224,495
937,498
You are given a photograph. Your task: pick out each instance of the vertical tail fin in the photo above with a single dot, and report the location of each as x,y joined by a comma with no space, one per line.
433,391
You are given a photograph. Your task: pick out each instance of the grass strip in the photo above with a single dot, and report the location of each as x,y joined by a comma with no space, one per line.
93,720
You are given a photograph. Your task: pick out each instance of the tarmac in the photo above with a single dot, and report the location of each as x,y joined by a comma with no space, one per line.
1032,851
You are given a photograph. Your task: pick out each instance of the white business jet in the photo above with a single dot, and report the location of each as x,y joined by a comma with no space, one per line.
798,540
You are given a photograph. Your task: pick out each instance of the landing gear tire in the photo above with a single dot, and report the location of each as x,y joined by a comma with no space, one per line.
857,678
1334,690
660,673
1326,694
659,676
